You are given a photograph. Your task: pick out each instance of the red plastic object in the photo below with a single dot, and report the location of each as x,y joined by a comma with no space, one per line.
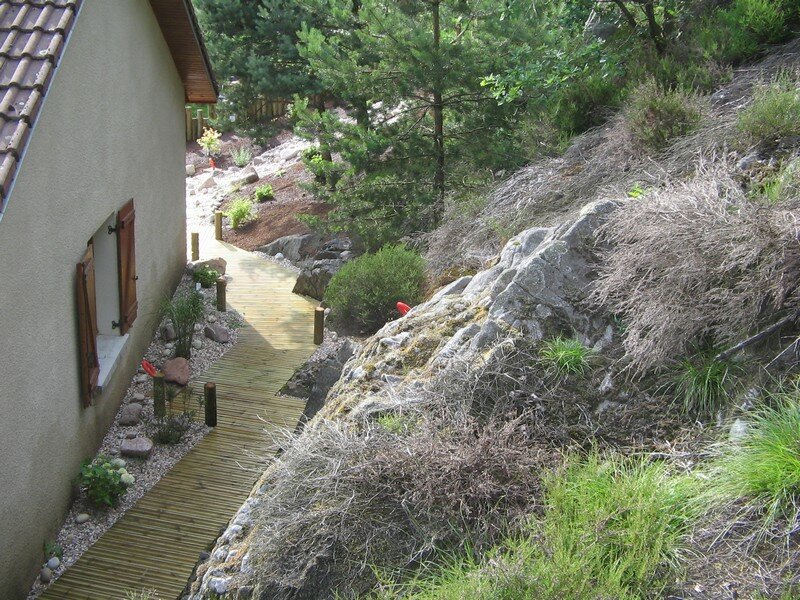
149,368
403,308
211,163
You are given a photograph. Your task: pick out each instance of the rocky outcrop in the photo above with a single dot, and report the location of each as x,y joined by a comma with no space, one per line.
315,276
533,291
218,264
295,248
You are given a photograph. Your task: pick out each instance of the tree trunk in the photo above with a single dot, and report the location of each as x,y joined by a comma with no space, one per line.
438,117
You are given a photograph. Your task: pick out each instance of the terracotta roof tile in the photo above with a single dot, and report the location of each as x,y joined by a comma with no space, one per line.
32,34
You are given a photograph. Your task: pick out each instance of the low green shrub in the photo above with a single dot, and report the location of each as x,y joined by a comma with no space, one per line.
565,356
762,470
365,291
264,193
737,33
702,384
657,116
170,428
103,480
206,276
184,311
241,156
774,114
612,528
52,548
240,212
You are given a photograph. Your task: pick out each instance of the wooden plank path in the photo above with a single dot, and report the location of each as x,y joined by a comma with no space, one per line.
157,542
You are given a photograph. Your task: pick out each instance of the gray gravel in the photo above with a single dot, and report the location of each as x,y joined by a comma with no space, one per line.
76,538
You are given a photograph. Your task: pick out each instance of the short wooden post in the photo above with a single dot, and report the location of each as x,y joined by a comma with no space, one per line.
319,325
195,246
159,395
222,304
210,404
218,225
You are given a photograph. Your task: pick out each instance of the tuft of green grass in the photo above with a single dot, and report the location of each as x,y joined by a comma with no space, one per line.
774,114
565,356
612,528
763,468
702,384
240,212
395,423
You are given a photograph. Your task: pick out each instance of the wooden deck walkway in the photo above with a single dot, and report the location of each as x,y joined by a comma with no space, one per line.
157,543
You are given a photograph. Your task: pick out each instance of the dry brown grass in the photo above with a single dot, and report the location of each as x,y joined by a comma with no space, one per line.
697,263
388,490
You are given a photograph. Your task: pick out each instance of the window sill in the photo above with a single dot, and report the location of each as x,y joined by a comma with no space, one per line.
109,349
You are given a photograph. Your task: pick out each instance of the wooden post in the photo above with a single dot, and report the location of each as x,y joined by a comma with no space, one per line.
195,246
222,304
319,325
210,404
159,395
200,122
189,128
218,225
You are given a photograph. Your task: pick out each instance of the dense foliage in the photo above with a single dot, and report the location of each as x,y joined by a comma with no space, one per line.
443,96
365,291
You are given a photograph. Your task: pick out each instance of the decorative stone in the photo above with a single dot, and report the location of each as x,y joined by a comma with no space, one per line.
246,177
118,462
212,318
190,170
217,333
131,415
54,563
141,378
131,435
280,256
46,575
176,371
208,183
168,332
198,328
217,263
138,398
197,344
82,518
219,585
166,352
169,346
137,448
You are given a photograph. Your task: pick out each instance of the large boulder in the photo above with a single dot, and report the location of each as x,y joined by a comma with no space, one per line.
295,248
314,278
140,447
218,264
245,177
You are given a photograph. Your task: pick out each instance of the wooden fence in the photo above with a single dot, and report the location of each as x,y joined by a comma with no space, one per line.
261,110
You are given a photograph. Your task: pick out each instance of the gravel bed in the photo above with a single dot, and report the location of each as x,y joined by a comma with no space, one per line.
76,538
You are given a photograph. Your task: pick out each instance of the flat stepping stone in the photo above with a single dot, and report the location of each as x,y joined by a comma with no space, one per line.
141,447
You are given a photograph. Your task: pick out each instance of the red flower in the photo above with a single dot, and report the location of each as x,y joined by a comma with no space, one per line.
149,368
403,308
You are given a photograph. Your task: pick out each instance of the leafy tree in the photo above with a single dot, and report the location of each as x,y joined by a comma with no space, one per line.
253,46
412,70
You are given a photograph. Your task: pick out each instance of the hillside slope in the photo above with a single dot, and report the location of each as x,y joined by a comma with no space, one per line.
593,338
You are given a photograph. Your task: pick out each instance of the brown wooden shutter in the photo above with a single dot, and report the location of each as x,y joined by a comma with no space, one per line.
126,254
87,326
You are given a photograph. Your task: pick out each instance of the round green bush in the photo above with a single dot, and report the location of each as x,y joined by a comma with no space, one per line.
365,292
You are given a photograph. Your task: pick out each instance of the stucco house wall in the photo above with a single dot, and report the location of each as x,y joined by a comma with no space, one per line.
110,129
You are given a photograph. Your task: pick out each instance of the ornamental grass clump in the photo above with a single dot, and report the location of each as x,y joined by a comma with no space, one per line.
241,156
565,356
759,474
184,311
702,384
240,212
104,480
365,292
